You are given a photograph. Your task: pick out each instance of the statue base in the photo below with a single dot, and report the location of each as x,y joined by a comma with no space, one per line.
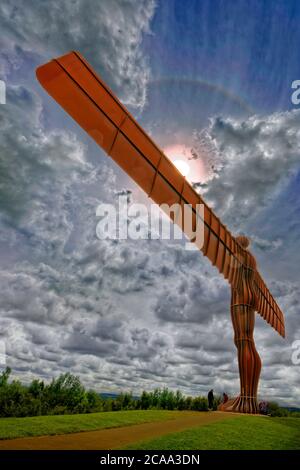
241,404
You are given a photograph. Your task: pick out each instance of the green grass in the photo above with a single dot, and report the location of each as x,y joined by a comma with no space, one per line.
63,424
239,433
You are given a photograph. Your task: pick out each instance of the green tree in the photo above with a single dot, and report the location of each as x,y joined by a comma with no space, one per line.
199,404
94,401
66,391
145,401
275,410
4,376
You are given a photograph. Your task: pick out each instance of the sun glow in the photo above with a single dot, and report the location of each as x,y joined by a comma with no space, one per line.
182,166
184,159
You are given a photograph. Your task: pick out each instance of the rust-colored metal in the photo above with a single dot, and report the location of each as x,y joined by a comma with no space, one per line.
72,82
244,303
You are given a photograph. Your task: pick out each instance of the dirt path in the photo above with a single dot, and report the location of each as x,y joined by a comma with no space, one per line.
114,438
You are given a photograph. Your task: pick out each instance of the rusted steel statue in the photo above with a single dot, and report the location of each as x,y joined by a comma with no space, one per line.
72,82
244,303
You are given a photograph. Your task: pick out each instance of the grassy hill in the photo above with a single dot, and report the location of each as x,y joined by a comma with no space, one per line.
238,433
206,431
63,424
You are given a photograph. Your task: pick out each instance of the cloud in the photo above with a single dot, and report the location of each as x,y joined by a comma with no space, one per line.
33,162
192,301
255,158
82,344
266,245
108,33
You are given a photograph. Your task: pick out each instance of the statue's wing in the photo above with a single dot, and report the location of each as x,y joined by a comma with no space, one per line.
267,306
72,82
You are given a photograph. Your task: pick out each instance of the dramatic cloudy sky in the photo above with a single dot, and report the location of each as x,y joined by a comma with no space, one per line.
212,79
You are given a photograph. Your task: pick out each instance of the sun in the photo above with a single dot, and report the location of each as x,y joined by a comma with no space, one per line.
183,158
182,166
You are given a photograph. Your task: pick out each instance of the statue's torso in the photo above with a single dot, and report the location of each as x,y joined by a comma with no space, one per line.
244,290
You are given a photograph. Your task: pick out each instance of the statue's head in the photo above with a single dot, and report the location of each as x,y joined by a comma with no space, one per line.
243,241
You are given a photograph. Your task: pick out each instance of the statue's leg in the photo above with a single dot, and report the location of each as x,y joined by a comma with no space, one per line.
243,318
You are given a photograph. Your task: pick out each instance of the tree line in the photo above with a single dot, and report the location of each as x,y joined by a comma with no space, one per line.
66,395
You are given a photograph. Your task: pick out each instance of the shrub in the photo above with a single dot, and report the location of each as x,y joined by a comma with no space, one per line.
199,404
275,410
